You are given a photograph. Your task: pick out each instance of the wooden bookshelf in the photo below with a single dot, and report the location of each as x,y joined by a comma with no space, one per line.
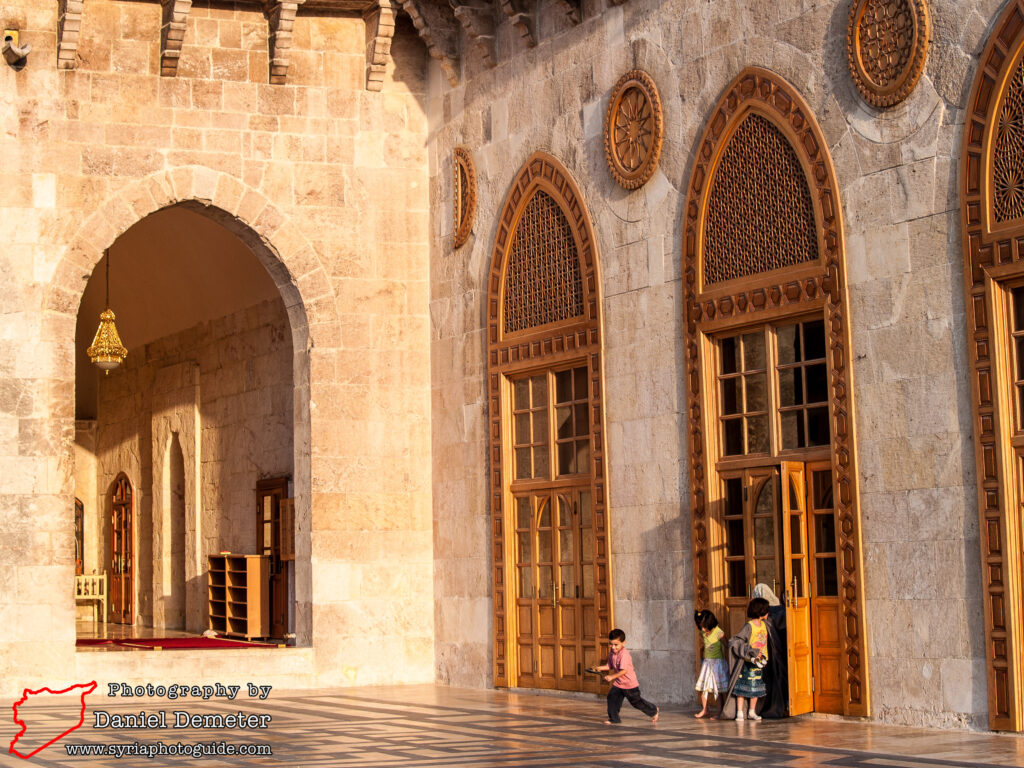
238,595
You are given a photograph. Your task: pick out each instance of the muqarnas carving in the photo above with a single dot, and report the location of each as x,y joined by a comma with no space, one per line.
886,46
633,129
464,180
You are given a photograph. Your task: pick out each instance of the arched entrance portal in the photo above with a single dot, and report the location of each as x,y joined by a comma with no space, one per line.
992,221
773,476
199,413
552,590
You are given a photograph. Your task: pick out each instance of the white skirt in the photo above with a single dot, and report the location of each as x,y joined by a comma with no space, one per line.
714,677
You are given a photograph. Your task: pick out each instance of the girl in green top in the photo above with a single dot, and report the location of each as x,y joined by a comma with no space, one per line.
714,675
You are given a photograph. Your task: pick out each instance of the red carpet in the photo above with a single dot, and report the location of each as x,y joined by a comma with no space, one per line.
168,643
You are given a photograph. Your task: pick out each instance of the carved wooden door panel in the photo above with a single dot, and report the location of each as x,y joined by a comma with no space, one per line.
797,589
122,555
826,610
534,602
555,589
555,549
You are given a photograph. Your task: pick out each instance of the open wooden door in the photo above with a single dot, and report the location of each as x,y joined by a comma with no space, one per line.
826,610
275,536
797,590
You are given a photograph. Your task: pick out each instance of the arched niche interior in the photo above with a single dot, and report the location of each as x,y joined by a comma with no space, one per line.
200,411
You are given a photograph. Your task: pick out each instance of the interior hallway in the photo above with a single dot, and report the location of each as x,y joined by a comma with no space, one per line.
436,726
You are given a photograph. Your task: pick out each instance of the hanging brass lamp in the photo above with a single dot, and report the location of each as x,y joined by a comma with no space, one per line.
107,352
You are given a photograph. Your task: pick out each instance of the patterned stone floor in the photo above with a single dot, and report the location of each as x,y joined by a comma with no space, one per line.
436,727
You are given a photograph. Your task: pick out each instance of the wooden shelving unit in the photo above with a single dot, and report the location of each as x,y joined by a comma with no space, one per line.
238,595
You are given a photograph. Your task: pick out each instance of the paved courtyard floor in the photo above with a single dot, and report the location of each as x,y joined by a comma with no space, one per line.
432,726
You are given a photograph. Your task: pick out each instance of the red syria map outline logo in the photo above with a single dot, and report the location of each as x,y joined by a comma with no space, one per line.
87,688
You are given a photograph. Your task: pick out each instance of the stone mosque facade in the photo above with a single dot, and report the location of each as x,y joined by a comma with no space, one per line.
461,332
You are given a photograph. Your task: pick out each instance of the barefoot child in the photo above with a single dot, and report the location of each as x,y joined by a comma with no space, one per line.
623,680
714,676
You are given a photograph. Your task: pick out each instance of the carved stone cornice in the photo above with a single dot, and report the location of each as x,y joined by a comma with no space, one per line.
520,13
68,29
439,30
172,34
477,18
380,29
281,16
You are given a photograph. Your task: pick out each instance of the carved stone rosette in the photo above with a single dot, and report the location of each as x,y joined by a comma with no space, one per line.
886,47
633,129
464,181
790,289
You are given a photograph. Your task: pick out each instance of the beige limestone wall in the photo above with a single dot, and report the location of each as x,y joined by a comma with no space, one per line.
897,172
327,184
224,389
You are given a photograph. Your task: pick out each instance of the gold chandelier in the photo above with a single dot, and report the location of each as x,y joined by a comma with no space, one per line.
107,352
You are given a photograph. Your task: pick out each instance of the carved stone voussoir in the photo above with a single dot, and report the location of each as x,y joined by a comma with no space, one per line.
172,33
380,30
633,129
886,47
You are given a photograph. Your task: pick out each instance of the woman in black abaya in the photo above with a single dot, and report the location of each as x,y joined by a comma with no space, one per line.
776,673
775,702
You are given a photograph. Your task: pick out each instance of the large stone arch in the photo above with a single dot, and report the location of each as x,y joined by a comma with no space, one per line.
288,257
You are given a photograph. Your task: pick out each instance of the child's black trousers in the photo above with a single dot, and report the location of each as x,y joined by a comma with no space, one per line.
615,697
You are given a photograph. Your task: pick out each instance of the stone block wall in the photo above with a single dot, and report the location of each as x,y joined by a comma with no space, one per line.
897,171
327,183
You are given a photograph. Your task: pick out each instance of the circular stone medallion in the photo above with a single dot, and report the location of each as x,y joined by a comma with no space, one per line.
633,129
886,46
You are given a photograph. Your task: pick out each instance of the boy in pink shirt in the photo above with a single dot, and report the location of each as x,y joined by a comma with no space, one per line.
623,680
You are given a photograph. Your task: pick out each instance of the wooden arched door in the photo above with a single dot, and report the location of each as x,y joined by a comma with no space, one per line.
552,587
992,222
122,553
772,462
